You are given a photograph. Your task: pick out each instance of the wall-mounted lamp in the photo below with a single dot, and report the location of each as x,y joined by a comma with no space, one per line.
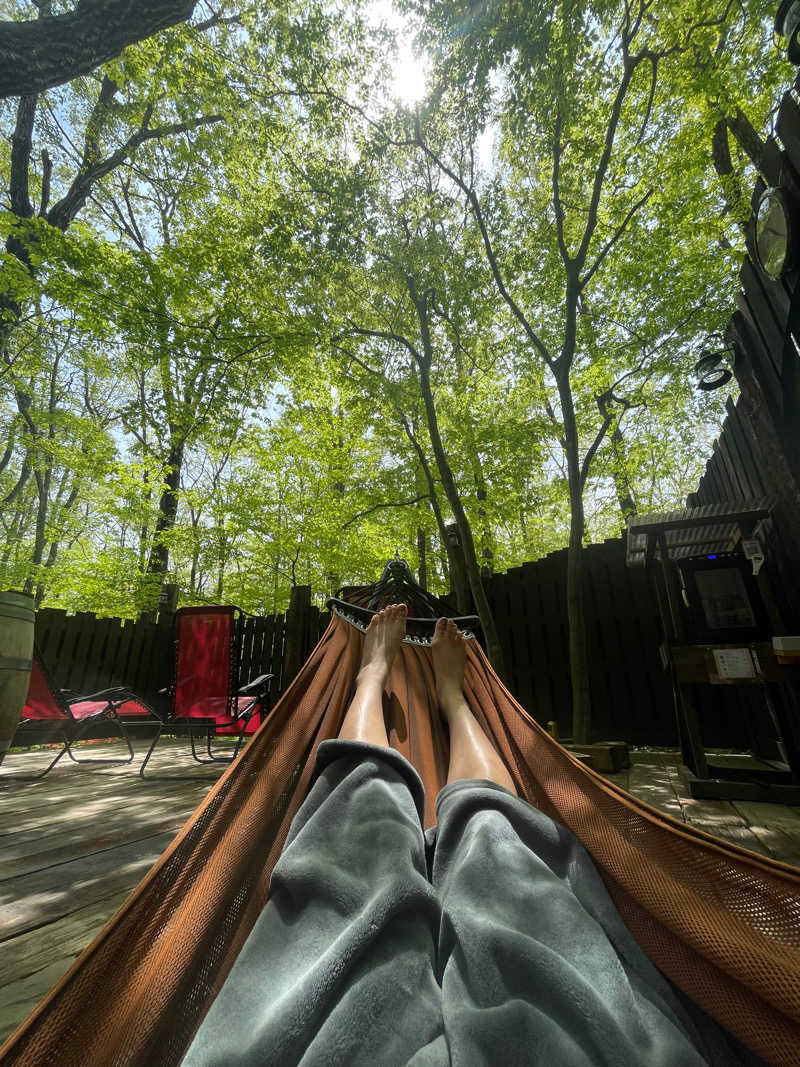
713,367
787,24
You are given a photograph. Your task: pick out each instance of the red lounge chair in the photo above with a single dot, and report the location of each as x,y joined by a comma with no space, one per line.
205,694
50,714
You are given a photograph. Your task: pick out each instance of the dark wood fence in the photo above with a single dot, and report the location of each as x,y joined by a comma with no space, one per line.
737,470
631,699
631,693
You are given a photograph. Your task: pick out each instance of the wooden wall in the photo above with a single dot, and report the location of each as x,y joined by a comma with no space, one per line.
758,450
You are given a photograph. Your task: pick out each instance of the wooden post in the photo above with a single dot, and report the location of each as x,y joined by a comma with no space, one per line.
297,624
689,735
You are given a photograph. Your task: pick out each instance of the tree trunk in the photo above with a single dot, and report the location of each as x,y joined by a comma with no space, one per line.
578,652
747,137
55,545
493,645
158,563
422,555
459,582
736,203
433,497
621,484
220,579
484,523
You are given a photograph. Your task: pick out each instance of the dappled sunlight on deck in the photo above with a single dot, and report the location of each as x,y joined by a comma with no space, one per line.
73,846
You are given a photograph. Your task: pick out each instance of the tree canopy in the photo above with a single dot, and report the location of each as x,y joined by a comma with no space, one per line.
262,323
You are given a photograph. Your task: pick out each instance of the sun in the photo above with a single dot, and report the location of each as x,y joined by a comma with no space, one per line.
409,69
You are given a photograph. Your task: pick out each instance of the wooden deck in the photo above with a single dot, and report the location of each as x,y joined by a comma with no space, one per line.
73,845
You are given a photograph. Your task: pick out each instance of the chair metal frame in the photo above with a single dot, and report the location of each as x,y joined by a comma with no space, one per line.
114,696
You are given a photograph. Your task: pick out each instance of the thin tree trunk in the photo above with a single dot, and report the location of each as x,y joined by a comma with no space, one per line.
433,496
422,554
493,645
621,484
158,563
220,576
43,487
52,554
578,652
14,531
747,137
735,201
195,518
18,486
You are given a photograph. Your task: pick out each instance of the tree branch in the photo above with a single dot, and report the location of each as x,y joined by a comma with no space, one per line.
386,335
47,171
601,255
62,213
390,504
38,54
21,144
474,204
15,490
605,159
592,450
557,205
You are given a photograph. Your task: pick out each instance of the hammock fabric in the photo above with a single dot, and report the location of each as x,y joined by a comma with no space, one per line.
721,922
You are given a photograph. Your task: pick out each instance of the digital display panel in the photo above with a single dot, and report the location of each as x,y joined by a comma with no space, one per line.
724,599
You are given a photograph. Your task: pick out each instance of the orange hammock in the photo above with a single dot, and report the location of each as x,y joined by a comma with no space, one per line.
722,923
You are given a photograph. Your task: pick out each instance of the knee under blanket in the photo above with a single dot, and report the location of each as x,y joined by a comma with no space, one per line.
490,940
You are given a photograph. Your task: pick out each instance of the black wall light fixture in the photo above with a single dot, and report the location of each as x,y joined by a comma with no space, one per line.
711,369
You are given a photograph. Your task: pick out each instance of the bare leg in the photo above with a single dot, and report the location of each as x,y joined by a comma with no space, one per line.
472,755
364,718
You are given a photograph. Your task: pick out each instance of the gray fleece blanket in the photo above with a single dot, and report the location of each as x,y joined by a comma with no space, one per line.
490,940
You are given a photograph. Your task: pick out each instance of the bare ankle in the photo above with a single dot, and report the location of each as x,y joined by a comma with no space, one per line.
451,701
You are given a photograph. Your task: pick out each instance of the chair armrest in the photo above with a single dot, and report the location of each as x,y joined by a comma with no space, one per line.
114,693
258,685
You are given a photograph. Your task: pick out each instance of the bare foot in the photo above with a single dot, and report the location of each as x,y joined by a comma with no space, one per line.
449,656
381,642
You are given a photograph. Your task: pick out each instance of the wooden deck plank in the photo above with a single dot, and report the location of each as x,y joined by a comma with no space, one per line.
34,962
768,829
30,900
25,853
74,845
649,780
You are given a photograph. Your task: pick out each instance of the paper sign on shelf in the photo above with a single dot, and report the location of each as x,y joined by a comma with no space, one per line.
734,663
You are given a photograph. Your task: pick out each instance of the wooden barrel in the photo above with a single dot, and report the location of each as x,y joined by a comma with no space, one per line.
16,652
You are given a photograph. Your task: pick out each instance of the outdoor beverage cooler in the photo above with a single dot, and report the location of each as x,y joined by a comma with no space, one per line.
723,627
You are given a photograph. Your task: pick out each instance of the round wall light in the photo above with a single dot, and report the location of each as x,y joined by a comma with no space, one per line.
787,24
